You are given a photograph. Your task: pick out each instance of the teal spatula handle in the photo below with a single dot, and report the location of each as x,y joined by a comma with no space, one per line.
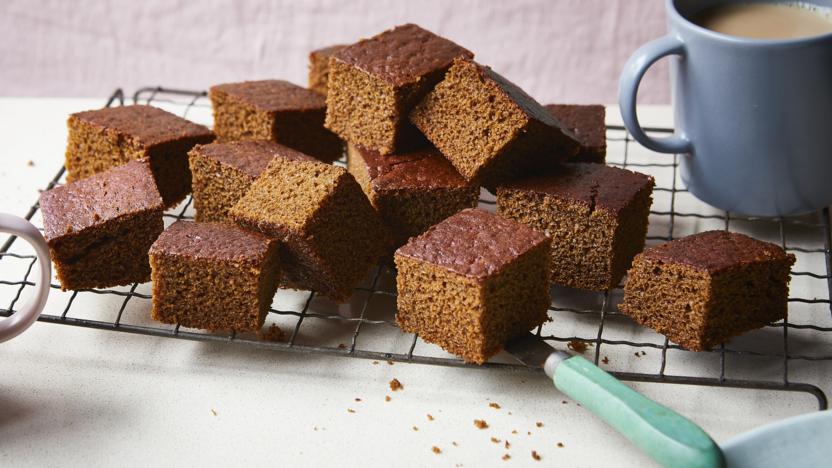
666,436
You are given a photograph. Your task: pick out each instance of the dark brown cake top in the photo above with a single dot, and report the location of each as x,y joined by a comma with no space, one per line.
425,169
249,156
327,51
402,55
595,185
585,121
150,125
108,195
473,243
273,95
212,241
714,251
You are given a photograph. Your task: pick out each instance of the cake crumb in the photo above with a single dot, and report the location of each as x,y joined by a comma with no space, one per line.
341,346
495,440
430,417
358,399
387,398
578,346
30,163
375,363
480,424
390,362
606,360
507,445
436,450
560,444
509,413
494,405
564,402
535,455
315,428
213,411
395,385
514,431
454,444
506,457
415,429
350,410
274,334
538,424
528,432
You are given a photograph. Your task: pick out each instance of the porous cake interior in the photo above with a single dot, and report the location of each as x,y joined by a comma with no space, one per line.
111,254
583,237
469,119
234,296
216,187
92,149
235,120
468,317
409,213
361,108
318,72
630,233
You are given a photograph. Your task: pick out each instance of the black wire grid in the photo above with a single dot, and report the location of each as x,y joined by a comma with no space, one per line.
592,318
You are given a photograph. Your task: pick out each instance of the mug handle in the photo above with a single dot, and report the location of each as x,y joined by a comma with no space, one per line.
628,86
28,314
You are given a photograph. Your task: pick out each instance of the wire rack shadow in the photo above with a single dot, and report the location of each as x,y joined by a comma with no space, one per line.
582,321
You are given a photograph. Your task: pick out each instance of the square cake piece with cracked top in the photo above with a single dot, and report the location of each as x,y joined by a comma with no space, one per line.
213,276
330,234
411,191
704,289
274,110
596,216
588,123
223,172
375,82
472,282
490,129
319,67
104,138
100,228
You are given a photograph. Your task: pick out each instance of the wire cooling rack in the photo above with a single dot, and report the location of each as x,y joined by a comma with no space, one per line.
775,358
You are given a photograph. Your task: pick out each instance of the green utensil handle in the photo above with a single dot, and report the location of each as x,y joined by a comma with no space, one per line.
666,436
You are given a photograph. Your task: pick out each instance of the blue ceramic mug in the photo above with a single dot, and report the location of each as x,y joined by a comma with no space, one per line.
753,117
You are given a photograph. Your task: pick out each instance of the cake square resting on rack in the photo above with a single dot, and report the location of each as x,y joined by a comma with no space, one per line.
213,276
330,234
588,123
596,216
223,172
411,191
109,137
274,110
490,130
319,67
472,282
703,289
100,228
375,82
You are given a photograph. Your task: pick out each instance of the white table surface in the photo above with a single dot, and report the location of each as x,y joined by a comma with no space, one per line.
76,396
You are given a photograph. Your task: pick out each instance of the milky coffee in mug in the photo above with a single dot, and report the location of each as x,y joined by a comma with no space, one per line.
766,20
752,102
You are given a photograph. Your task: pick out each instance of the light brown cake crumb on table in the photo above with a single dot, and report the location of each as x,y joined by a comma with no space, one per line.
514,431
273,333
560,444
387,398
506,457
535,455
606,360
538,424
494,405
507,445
480,424
358,399
213,411
430,417
415,428
436,450
578,346
395,385
495,440
350,410
454,444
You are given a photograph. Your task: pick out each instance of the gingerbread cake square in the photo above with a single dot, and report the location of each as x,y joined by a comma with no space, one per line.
472,282
490,129
319,67
105,138
411,191
704,289
330,234
375,82
588,123
596,216
213,276
223,172
100,228
274,110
